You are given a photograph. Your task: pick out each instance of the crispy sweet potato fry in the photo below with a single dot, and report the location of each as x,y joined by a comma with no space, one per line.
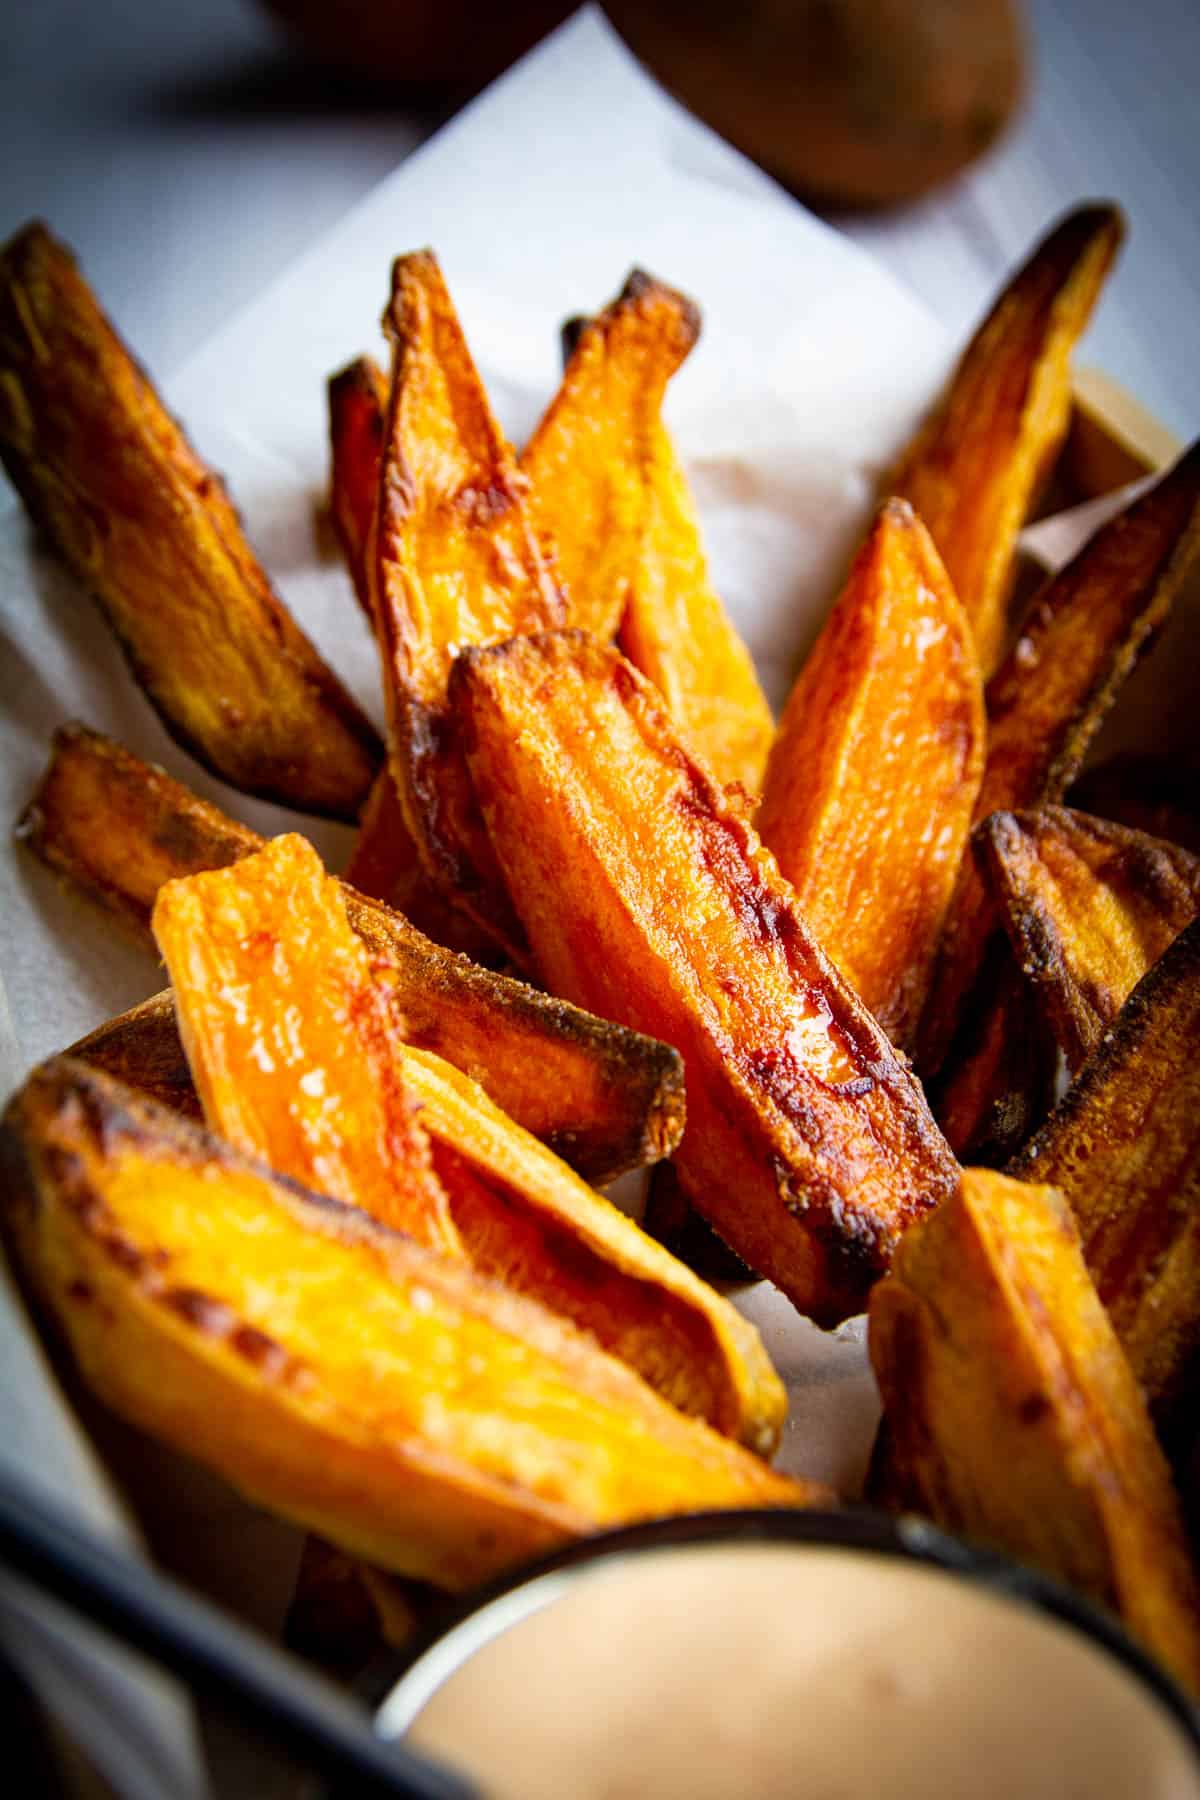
608,489
975,467
288,1031
263,998
1013,1415
1156,794
358,396
1083,635
606,1099
1089,908
363,1386
1124,1147
642,887
872,781
453,560
109,477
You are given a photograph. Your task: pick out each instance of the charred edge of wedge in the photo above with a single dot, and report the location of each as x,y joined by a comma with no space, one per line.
34,260
846,1240
143,1049
1124,1105
357,398
605,1099
1081,1001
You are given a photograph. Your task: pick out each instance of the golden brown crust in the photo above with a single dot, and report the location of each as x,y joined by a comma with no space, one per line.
872,781
1124,1148
1013,1416
362,1386
643,888
977,465
107,474
605,1098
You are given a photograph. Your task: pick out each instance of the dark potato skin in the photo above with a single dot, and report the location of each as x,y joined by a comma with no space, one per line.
109,477
606,1099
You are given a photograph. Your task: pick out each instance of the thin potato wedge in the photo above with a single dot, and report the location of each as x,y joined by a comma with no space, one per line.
1013,1416
644,888
518,1213
976,466
606,1099
110,478
1089,908
358,397
1082,637
290,1036
453,559
1124,1147
364,1387
609,491
871,786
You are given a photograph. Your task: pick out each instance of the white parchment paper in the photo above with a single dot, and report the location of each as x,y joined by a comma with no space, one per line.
813,369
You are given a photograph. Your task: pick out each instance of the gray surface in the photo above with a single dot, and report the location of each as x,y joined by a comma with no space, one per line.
187,159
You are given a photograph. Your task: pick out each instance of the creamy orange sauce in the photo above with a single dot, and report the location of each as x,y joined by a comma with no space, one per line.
770,1671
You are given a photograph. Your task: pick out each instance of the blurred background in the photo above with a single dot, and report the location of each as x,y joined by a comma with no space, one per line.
190,150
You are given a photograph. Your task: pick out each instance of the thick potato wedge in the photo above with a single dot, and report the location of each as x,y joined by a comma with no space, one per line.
608,490
1089,908
1013,1416
289,1034
298,1061
453,560
871,786
644,888
110,478
382,1395
1083,635
976,466
1124,1147
1155,794
358,397
605,1098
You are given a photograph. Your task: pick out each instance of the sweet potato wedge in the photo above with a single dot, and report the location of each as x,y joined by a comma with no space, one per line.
290,1037
1089,908
110,478
643,888
1082,637
453,560
606,1099
871,785
608,489
369,1389
976,466
358,396
1124,1147
999,1086
299,1061
1013,1416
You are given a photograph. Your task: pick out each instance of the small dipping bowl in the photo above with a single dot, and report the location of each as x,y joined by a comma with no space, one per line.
792,1653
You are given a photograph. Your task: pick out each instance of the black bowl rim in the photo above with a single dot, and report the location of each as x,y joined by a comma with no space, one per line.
857,1528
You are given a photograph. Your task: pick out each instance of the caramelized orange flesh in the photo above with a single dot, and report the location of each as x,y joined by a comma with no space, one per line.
604,1098
871,785
453,560
977,465
362,1386
358,397
109,477
1081,639
290,1038
527,1221
1089,908
1124,1147
1013,1416
609,493
646,893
